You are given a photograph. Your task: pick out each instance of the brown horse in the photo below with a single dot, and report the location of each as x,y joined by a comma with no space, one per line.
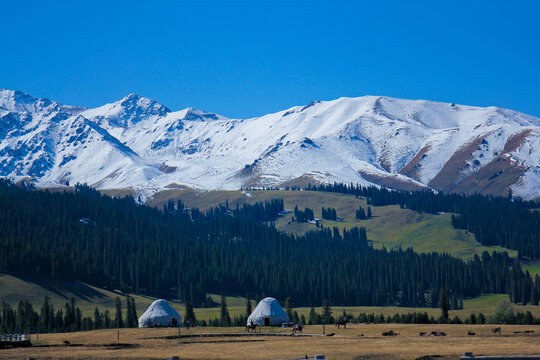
297,328
343,322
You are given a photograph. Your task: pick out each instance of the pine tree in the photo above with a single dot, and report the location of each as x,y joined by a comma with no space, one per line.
78,319
314,318
289,307
119,322
327,312
224,317
45,319
189,316
443,303
135,320
107,320
98,321
249,309
129,315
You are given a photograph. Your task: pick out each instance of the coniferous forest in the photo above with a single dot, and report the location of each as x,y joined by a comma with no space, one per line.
184,253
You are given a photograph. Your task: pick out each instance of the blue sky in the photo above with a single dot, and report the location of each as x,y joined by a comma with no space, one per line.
243,59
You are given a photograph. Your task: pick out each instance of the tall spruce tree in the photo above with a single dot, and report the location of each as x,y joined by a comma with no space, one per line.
289,308
224,317
327,312
189,316
443,303
249,309
129,316
118,322
98,320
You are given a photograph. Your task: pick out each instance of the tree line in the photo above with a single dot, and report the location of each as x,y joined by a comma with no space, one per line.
24,319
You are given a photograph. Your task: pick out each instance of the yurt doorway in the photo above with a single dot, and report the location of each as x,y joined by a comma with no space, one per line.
266,321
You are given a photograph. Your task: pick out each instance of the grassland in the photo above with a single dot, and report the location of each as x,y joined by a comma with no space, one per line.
532,267
358,341
13,289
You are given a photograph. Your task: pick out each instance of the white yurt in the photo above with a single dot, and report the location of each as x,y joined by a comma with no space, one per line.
160,313
267,313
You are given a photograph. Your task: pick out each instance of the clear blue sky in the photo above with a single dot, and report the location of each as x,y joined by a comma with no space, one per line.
243,59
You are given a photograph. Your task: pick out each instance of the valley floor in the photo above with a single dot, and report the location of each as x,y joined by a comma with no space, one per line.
359,341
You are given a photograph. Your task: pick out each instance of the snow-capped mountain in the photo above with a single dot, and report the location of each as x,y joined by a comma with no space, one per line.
404,144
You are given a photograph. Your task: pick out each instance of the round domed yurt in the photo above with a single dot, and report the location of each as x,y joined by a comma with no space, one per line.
268,313
160,313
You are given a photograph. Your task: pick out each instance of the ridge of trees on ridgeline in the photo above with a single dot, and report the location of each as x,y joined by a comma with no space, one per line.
503,221
115,243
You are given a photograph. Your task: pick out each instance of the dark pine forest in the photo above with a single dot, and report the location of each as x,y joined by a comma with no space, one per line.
185,253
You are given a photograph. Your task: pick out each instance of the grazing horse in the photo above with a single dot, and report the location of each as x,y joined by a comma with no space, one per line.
343,322
496,330
297,328
470,333
251,326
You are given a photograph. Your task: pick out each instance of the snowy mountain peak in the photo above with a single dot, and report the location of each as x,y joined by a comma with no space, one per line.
18,102
404,144
129,110
199,115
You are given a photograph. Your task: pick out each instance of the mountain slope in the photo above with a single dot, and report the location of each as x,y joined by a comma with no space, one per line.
139,143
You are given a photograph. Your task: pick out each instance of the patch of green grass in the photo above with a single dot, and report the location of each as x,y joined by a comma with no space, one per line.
87,297
533,267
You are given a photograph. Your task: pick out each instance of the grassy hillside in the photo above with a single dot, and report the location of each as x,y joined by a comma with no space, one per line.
390,226
13,289
532,266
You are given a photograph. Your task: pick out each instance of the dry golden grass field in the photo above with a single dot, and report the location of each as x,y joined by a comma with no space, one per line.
359,341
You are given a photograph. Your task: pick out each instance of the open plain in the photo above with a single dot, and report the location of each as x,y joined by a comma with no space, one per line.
358,341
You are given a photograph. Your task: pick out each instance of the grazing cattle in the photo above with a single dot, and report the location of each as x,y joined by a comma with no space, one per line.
470,333
438,333
297,328
496,330
389,333
423,334
251,326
